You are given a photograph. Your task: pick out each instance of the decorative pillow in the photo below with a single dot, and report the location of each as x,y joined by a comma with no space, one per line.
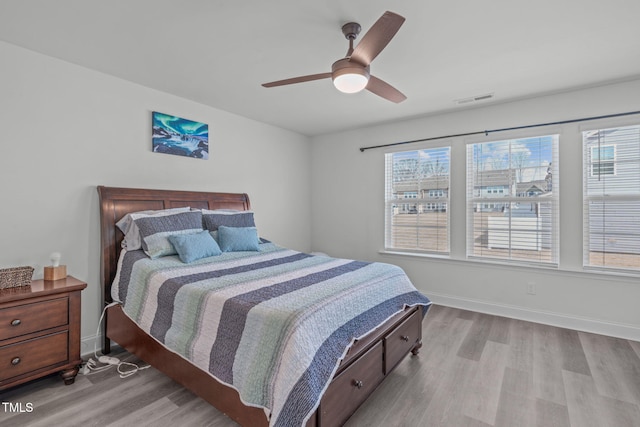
234,239
191,247
132,240
155,230
261,240
230,218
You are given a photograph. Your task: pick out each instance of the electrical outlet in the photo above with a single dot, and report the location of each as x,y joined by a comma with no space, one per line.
531,288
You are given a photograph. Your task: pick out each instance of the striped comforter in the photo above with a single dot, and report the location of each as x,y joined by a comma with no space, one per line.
272,324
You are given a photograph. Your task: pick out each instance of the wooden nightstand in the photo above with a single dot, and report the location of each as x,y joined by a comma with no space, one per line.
40,331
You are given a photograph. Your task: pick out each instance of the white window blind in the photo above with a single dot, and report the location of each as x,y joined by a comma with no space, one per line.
611,159
512,200
417,201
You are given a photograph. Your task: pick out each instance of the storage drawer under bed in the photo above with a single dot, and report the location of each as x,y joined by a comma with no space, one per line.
349,389
402,340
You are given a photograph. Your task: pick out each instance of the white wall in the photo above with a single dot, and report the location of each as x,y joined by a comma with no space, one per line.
66,129
348,216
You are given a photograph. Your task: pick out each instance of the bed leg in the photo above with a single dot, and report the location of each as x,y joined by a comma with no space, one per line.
106,342
416,349
106,346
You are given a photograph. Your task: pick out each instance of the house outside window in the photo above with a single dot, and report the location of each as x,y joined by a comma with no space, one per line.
512,210
603,160
409,207
422,176
611,199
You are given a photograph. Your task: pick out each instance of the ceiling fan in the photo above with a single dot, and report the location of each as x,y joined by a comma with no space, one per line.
351,73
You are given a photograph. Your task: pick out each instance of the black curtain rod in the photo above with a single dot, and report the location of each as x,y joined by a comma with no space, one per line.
487,132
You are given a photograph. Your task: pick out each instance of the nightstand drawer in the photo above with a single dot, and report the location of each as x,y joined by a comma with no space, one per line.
33,354
27,318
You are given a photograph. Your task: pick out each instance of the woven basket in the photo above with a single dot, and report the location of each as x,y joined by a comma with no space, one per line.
15,277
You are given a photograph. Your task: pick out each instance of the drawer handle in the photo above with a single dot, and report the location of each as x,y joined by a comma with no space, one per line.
404,338
357,383
15,361
16,322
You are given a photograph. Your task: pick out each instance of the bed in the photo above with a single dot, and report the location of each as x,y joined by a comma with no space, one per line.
312,376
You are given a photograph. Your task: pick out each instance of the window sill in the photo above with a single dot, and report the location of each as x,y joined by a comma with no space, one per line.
414,254
584,272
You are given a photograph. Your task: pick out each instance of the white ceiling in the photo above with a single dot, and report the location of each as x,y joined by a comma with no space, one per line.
218,52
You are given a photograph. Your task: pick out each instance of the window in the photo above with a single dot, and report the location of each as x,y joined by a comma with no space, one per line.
512,200
611,163
423,224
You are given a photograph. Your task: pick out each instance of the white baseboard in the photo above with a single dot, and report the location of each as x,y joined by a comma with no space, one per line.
595,326
617,330
87,346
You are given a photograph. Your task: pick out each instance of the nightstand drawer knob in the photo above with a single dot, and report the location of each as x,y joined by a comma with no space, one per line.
358,383
404,338
15,361
15,322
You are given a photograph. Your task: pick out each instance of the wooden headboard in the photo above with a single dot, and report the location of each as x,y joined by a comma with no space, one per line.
116,202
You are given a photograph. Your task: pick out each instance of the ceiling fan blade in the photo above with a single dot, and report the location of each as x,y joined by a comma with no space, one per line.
300,79
385,90
377,38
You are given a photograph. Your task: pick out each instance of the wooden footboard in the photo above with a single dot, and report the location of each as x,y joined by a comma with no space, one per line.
367,363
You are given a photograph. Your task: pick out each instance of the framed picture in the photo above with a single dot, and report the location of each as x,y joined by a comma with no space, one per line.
181,137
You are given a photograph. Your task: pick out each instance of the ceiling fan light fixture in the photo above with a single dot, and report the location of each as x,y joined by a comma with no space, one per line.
351,82
349,77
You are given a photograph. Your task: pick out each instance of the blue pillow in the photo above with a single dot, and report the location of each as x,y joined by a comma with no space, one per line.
234,239
214,234
191,247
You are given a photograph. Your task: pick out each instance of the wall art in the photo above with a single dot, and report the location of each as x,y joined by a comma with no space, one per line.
181,137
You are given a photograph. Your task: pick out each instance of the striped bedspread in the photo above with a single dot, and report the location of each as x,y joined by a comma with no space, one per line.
272,324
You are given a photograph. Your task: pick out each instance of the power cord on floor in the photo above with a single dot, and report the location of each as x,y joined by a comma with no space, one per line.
101,363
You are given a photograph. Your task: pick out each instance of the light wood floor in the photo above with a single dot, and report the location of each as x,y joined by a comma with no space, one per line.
473,370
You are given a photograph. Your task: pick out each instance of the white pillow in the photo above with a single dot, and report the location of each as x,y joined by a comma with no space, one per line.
132,239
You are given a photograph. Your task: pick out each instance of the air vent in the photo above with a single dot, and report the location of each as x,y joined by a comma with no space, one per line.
473,99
